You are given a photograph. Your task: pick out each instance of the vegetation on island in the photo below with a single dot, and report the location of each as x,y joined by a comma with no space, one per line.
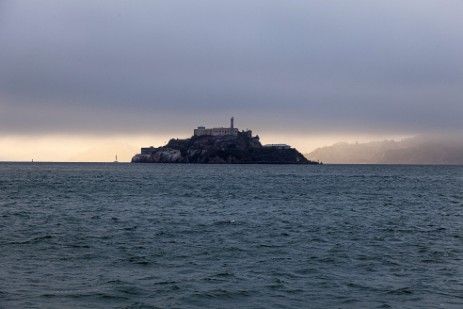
239,149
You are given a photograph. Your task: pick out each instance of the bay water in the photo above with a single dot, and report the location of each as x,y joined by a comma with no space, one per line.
115,235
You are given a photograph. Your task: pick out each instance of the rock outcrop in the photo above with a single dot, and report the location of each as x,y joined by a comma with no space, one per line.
239,149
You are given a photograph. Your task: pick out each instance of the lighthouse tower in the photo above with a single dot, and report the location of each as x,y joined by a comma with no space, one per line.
232,123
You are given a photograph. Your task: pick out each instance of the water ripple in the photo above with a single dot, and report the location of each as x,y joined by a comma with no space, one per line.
182,236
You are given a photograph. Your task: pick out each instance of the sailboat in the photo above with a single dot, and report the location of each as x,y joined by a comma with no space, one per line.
115,161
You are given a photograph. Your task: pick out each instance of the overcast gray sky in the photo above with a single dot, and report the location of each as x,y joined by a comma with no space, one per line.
319,67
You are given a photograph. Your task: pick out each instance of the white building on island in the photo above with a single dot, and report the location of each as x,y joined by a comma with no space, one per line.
201,130
277,146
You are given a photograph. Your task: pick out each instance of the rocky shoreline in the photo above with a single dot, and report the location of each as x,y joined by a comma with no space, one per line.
229,149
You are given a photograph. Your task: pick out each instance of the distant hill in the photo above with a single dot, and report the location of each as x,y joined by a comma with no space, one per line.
417,150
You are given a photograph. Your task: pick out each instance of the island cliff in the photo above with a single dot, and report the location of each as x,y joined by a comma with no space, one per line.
241,148
221,145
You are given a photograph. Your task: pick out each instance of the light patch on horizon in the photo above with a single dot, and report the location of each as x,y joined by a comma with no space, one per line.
65,148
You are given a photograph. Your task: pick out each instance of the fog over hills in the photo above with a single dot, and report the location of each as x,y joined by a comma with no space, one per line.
416,150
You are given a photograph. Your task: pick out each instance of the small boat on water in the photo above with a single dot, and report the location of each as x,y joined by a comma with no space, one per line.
115,161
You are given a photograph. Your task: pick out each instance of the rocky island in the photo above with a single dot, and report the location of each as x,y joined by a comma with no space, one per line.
221,145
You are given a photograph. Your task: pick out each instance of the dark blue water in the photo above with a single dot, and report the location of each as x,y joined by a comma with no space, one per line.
230,236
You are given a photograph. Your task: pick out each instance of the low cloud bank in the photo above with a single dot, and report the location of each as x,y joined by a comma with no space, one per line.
416,150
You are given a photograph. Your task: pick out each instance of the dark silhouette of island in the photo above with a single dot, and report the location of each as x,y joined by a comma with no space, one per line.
221,145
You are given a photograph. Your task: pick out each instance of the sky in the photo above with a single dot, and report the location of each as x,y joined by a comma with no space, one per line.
81,76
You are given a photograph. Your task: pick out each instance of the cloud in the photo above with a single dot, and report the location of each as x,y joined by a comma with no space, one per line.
307,66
